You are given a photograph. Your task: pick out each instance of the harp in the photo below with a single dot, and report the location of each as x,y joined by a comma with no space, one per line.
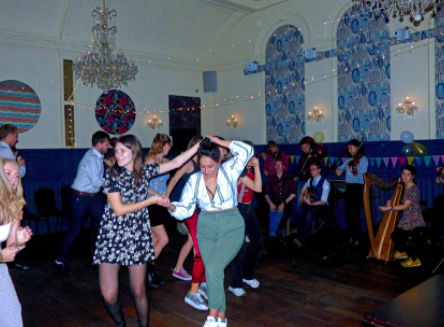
382,247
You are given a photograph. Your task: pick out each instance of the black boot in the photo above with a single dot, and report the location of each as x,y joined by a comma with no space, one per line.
150,278
120,324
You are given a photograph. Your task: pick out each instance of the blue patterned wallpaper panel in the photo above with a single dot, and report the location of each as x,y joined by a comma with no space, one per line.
284,86
439,74
363,78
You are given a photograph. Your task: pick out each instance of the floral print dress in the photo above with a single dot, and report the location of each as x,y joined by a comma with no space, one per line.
412,216
126,240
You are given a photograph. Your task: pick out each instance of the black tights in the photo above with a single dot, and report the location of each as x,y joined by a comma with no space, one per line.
109,286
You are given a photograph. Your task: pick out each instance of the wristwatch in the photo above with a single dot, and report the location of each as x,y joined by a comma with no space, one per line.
392,208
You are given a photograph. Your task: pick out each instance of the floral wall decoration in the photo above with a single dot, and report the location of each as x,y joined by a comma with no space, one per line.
115,112
285,86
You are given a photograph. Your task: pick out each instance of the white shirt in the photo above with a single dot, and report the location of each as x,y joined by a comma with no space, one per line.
4,231
325,188
89,178
225,196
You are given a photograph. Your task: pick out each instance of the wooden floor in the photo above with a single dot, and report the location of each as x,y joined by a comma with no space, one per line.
296,289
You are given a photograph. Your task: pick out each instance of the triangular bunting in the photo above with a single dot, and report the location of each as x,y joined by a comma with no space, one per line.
418,161
427,160
326,160
436,160
297,158
372,161
410,160
264,155
442,157
394,161
402,160
378,161
386,161
292,159
332,160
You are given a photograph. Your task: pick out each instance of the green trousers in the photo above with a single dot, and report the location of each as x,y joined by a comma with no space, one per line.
220,235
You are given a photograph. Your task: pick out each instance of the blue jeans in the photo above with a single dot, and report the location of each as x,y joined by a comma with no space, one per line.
81,207
243,265
307,215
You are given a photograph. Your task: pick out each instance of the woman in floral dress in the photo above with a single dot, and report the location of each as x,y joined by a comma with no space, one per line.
124,235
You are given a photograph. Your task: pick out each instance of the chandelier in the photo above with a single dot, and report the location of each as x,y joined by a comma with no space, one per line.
100,65
413,10
315,115
232,122
408,107
154,123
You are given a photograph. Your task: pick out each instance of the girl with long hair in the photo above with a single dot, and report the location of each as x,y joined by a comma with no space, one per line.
11,204
124,237
220,228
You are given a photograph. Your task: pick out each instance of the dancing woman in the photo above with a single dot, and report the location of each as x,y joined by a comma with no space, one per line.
220,228
11,204
405,235
125,236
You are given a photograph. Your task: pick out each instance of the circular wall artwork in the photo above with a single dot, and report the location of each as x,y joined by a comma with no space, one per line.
115,112
19,105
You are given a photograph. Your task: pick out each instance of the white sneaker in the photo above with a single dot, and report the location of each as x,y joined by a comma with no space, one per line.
247,239
239,292
222,324
253,283
203,290
196,301
211,322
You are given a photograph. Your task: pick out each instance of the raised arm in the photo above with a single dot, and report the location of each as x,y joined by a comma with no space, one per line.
122,209
179,160
255,185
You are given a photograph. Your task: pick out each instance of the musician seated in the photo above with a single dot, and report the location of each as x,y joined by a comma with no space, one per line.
314,199
405,236
280,192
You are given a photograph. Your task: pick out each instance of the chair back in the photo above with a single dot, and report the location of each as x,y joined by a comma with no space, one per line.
45,200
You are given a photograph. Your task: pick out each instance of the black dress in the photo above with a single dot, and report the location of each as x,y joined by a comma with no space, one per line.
126,240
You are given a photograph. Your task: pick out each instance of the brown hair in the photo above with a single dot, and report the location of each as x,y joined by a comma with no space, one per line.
132,142
7,129
159,142
269,145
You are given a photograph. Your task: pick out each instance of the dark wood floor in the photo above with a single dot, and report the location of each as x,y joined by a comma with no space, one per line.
296,289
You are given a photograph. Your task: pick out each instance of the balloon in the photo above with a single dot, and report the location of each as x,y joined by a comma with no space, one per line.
320,150
407,150
318,137
407,137
419,149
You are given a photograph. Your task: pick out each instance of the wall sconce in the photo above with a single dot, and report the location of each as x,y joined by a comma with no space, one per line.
232,122
407,107
315,115
154,123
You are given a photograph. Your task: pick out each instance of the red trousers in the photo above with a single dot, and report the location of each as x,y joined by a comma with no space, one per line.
198,274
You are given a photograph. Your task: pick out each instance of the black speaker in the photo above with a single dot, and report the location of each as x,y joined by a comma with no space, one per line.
210,81
181,137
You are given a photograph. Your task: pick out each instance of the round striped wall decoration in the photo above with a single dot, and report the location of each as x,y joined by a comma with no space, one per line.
19,105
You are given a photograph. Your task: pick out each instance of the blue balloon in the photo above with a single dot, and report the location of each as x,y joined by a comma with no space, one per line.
407,150
407,137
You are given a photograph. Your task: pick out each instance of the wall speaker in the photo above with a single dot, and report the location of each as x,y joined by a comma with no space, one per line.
210,81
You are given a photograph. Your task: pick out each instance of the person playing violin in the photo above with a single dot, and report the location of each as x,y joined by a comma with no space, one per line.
314,200
355,167
273,152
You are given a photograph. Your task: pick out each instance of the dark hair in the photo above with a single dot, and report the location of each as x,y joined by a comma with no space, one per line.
99,137
113,141
208,149
194,140
248,142
132,142
279,158
307,140
410,168
7,129
316,163
270,144
357,144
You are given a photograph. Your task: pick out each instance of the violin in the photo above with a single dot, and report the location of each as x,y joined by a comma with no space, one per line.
354,162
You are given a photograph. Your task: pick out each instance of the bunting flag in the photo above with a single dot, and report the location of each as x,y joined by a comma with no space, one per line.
297,158
326,160
264,155
436,160
427,160
442,157
394,161
418,161
378,161
402,160
332,160
372,161
292,159
410,160
386,161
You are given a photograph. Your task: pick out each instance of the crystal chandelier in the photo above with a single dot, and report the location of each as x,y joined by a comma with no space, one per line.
413,10
100,65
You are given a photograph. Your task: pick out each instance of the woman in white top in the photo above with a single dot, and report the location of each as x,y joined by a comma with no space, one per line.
220,228
11,204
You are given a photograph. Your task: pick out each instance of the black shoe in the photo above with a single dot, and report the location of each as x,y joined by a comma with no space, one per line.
120,324
62,268
150,278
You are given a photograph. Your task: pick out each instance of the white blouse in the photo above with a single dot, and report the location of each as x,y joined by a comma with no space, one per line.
4,231
225,196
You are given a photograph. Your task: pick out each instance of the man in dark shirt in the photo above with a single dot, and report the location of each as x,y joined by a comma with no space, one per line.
279,193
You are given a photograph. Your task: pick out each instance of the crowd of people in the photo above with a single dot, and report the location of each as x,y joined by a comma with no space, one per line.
129,199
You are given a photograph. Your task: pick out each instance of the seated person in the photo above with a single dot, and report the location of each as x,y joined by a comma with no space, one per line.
314,199
279,193
406,235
